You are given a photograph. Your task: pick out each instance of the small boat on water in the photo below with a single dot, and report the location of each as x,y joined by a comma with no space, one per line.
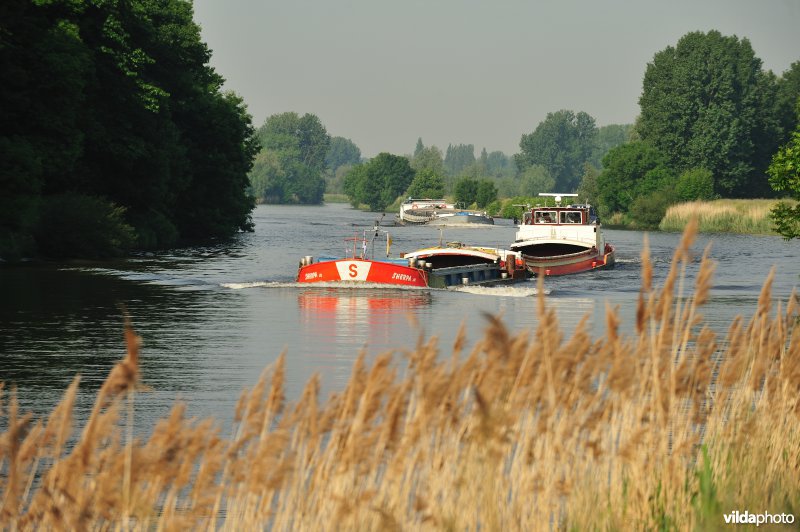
436,267
422,210
562,239
439,212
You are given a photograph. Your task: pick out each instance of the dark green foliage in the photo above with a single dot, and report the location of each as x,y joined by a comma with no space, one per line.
75,225
466,191
353,185
486,193
379,182
784,176
695,184
426,184
116,100
631,170
706,103
562,143
294,155
788,99
648,209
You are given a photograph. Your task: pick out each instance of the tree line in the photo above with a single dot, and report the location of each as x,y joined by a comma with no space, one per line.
115,131
711,122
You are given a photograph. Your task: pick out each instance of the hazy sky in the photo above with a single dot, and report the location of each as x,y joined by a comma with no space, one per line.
384,73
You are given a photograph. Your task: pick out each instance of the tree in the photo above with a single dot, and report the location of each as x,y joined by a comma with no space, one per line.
426,184
788,98
419,147
535,179
695,184
300,146
458,157
466,191
113,106
561,143
608,137
706,103
784,176
341,151
588,190
429,158
486,193
379,182
631,170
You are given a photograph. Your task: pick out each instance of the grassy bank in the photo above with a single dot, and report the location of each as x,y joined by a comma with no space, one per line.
669,428
746,216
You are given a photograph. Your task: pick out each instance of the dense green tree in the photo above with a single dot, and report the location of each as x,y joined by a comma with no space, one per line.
426,184
379,182
300,145
486,193
458,157
784,176
353,184
631,170
113,103
695,184
788,99
466,191
561,143
706,103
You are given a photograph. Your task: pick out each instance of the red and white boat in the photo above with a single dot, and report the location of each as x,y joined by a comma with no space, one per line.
437,267
563,239
360,269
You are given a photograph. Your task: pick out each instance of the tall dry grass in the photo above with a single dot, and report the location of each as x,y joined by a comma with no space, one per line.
667,428
745,216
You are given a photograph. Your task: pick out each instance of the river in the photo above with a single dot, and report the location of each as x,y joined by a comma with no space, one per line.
212,318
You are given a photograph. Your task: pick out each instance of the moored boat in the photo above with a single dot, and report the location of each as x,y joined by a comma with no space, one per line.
563,239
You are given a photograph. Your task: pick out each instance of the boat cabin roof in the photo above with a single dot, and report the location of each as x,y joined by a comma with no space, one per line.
572,214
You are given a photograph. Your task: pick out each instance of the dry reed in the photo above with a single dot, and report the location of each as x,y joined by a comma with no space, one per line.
669,428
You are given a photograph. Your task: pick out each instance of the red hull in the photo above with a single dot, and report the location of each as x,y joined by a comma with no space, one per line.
564,265
362,271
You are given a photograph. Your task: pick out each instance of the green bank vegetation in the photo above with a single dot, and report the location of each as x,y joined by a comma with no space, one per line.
668,428
115,132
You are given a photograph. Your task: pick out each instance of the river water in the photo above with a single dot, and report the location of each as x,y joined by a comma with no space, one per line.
212,318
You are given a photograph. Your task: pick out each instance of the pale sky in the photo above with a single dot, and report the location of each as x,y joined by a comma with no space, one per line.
384,73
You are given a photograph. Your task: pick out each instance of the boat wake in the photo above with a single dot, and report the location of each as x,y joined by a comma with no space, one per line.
500,291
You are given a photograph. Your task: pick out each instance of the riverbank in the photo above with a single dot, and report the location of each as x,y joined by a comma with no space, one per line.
665,427
743,216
